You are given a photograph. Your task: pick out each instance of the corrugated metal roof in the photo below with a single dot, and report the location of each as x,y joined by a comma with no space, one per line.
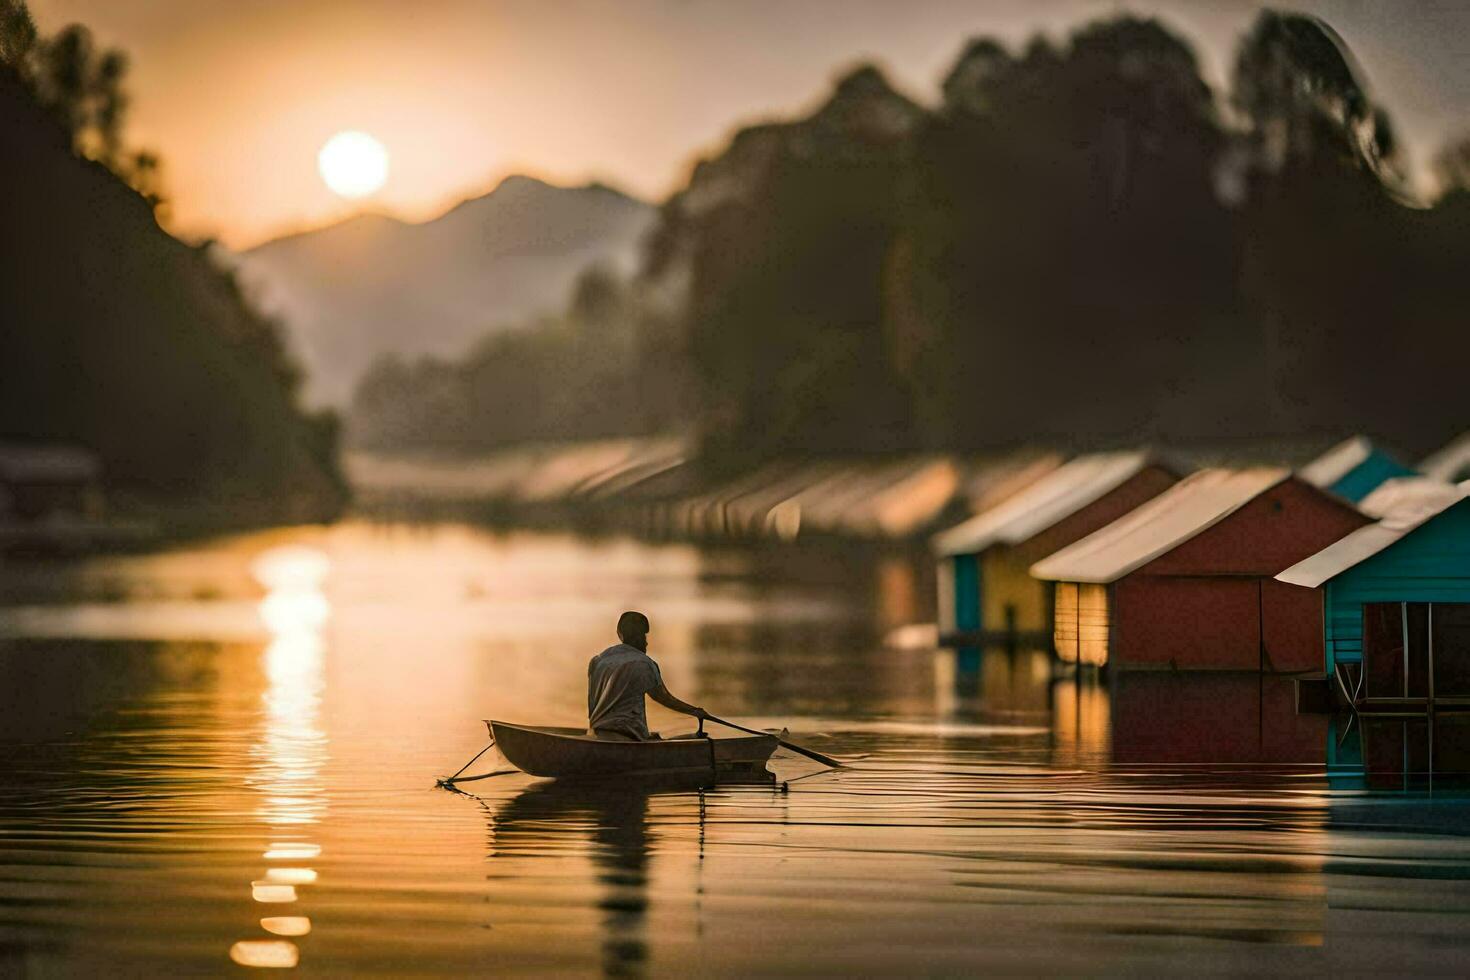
1337,462
1054,497
1159,526
1368,541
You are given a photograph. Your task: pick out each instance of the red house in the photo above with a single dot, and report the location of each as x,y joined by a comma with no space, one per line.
1187,581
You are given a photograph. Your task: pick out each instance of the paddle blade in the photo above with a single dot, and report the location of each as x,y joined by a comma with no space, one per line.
825,760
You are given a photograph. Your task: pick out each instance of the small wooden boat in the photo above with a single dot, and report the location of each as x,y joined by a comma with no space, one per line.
571,752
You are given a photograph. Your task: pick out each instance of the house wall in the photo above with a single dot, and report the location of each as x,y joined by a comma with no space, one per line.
1213,604
1082,628
959,594
1005,570
1216,623
1186,623
1429,564
1011,598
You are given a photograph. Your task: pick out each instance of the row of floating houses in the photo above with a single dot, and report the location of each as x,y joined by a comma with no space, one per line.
1134,560
1354,568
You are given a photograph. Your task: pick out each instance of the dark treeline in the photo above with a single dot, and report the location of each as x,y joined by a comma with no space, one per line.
1082,243
116,336
611,365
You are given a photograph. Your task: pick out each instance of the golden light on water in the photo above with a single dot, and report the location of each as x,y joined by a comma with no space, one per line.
286,925
265,953
353,164
291,568
292,746
291,876
271,893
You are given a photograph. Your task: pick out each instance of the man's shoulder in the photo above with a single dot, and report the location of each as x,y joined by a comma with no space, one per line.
619,651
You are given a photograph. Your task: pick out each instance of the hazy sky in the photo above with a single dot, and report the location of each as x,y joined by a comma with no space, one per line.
239,95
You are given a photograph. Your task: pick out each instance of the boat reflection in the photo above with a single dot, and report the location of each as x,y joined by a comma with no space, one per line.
614,820
621,840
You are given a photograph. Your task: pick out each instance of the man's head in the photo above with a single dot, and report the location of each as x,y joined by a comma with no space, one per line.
633,630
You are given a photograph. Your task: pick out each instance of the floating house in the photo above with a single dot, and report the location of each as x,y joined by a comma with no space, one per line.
1187,581
1395,606
984,583
44,482
1353,469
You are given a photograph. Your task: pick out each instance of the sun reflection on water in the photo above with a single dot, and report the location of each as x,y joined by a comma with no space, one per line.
286,925
270,953
292,746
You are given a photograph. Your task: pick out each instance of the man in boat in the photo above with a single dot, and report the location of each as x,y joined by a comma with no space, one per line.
617,680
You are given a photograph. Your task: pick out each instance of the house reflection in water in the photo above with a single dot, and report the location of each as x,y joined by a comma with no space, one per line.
1213,717
1081,721
995,684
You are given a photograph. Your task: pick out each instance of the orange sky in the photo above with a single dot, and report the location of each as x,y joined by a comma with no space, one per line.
238,95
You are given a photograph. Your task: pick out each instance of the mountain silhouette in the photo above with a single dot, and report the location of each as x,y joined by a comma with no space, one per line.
373,284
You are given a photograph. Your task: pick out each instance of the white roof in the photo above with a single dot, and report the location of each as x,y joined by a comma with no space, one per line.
1450,461
1407,492
1054,497
1368,541
1159,526
1337,462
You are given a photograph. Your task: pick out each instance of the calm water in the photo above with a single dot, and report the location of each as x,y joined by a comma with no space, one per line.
223,757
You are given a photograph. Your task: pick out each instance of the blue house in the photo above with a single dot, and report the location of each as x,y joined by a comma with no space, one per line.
1396,618
1396,600
1353,469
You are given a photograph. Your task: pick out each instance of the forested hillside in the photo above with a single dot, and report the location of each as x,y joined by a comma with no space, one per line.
1081,243
122,339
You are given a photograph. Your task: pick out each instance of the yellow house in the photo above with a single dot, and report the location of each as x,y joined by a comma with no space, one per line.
986,589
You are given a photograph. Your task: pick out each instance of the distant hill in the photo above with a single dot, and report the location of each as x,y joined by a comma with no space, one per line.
372,284
118,337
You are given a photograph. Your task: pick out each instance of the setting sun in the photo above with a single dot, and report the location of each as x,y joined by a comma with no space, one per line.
353,164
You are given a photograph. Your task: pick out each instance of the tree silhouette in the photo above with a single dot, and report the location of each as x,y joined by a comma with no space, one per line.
1295,80
84,88
17,35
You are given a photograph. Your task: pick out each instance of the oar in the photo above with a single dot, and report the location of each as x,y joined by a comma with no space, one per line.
451,779
825,760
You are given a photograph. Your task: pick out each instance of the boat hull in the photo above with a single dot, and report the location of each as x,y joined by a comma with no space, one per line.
571,753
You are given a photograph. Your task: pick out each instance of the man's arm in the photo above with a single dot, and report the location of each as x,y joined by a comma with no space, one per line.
590,705
662,696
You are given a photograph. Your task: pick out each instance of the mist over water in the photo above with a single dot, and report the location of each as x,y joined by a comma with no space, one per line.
227,752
